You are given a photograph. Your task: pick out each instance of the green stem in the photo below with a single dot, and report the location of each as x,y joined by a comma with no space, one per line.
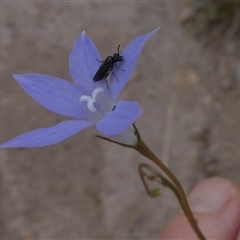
143,149
163,181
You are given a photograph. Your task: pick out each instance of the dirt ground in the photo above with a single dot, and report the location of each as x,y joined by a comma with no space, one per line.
186,82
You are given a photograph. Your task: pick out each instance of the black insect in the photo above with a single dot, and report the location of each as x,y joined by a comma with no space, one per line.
107,66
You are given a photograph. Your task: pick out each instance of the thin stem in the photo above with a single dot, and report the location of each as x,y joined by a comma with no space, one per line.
143,149
164,181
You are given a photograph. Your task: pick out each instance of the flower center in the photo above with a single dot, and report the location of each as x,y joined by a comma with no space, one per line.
91,99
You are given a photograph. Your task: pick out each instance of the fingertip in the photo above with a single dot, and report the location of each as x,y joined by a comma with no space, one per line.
216,206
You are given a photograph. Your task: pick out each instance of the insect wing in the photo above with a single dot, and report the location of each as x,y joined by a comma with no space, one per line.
108,64
104,69
101,73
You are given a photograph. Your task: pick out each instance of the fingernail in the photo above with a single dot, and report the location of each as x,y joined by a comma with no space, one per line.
210,195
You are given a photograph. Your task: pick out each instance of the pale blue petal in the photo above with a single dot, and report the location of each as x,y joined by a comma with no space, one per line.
130,57
55,94
84,62
47,136
116,121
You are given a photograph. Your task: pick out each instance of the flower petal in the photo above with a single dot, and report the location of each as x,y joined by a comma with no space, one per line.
116,121
127,137
130,57
47,136
55,94
84,62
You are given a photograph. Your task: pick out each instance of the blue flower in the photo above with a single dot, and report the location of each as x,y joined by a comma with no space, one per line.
88,103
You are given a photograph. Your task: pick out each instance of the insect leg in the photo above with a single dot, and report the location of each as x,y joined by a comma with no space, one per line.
115,76
120,68
99,60
107,84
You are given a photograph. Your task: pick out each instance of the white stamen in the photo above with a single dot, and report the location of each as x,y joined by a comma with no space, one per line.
96,92
85,98
91,100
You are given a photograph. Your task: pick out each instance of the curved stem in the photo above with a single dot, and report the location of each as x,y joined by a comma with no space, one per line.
143,149
164,181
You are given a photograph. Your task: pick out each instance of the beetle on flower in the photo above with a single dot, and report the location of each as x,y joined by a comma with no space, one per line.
87,102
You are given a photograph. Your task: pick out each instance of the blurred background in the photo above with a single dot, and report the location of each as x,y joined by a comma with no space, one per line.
186,82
